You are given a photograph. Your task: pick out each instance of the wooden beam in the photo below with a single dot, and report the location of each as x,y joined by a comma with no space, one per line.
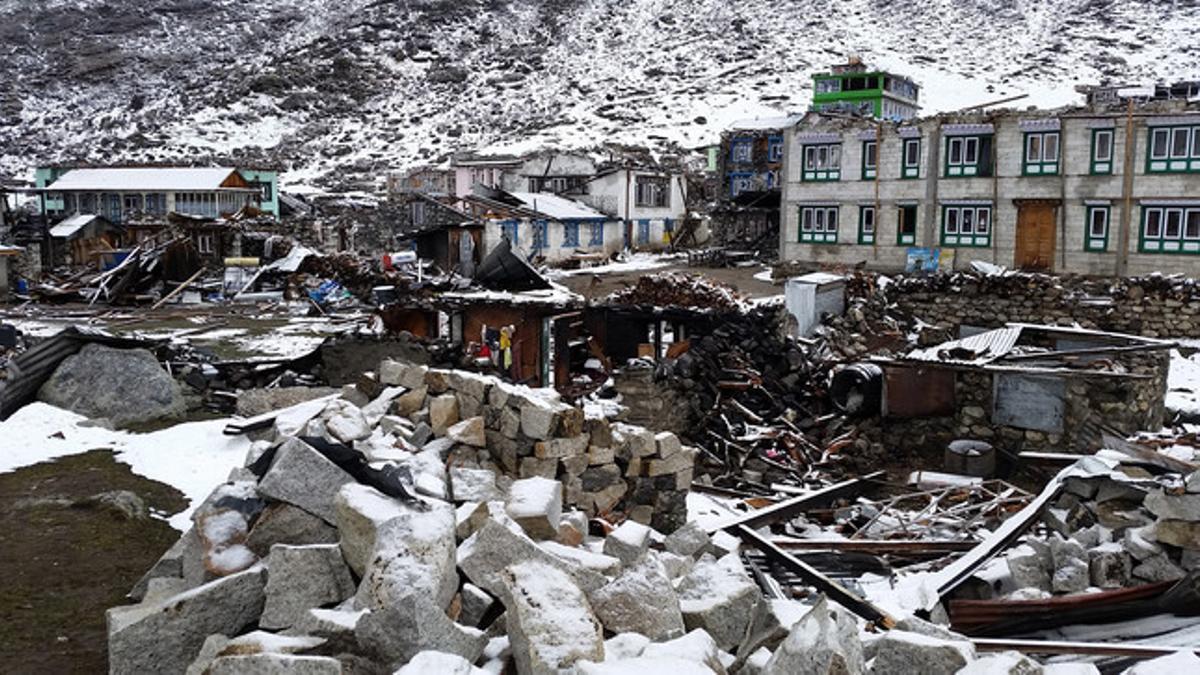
178,289
875,546
836,592
791,507
1088,648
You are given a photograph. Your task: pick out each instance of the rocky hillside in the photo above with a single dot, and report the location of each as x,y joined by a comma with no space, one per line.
363,86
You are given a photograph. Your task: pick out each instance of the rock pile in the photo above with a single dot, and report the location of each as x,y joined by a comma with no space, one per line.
1112,531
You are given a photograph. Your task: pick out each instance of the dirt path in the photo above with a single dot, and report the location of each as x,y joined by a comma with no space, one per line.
64,564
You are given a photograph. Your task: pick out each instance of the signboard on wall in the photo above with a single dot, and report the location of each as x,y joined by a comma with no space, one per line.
1036,402
920,259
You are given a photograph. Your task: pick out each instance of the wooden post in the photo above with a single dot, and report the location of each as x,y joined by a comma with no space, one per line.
879,170
1126,194
178,289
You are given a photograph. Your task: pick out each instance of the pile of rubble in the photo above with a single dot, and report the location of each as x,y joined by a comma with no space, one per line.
1112,531
678,289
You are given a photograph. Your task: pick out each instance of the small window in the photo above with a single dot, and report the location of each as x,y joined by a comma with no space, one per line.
1041,153
417,213
906,225
818,224
822,162
968,156
653,192
571,234
870,160
866,224
1096,237
967,226
742,151
910,166
597,238
775,149
1170,230
739,183
1102,151
204,243
1159,141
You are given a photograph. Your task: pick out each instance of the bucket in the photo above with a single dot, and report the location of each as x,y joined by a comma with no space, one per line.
971,458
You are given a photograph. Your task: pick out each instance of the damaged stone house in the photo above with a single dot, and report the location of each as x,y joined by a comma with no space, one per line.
1019,388
749,162
1095,189
543,225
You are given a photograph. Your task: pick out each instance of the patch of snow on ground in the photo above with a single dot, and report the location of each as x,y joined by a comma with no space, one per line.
193,457
764,276
1183,383
636,262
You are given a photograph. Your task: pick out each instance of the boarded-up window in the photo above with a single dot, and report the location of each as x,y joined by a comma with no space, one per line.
1034,402
918,392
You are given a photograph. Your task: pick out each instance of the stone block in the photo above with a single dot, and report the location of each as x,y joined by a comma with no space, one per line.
165,637
820,642
303,477
441,663
468,432
1158,568
640,600
510,423
680,461
437,381
443,413
474,604
1181,533
628,542
719,597
597,478
1173,507
303,578
550,622
396,634
1028,567
689,540
1109,566
493,547
607,499
575,466
903,653
667,443
274,664
601,455
282,523
474,485
414,554
536,505
360,512
599,432
539,420
532,467
561,447
410,402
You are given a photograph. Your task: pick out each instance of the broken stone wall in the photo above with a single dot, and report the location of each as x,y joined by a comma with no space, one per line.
529,433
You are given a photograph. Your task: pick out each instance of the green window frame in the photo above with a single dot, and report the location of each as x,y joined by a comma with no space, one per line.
867,225
1174,149
1170,229
1102,151
870,160
822,162
818,225
966,226
1042,153
1096,227
910,158
906,225
967,156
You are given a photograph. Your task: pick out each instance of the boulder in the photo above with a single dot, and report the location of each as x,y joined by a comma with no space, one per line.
1029,567
628,542
125,386
493,547
410,402
582,557
397,633
414,554
1158,568
719,597
165,637
550,623
688,540
899,652
468,432
1181,533
625,646
360,511
443,413
539,419
303,477
640,600
1109,566
282,523
644,664
441,663
1071,577
303,578
345,422
821,642
474,485
536,505
336,626
1173,507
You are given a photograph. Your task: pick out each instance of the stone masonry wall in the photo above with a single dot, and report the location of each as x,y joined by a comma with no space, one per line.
603,466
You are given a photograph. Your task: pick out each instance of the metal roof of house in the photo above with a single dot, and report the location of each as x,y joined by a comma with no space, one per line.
985,348
557,207
72,225
165,179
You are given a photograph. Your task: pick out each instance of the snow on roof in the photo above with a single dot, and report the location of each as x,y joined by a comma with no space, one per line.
165,179
10,250
70,226
556,207
765,123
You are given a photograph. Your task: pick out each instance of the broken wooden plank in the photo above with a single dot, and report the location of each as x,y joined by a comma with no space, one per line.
1049,647
835,591
792,507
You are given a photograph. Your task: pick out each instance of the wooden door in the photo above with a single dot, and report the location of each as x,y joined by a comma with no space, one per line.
1035,237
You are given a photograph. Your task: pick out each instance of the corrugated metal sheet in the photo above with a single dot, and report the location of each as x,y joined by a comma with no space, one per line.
29,370
976,350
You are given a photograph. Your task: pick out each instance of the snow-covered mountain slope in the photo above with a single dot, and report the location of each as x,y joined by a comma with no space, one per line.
362,86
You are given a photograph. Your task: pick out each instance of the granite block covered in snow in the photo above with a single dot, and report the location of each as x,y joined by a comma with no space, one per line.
550,622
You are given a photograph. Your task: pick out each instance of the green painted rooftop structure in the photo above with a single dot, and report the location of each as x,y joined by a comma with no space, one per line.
853,88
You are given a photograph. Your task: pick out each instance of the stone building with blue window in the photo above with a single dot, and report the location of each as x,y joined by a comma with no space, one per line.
749,168
1090,190
543,225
